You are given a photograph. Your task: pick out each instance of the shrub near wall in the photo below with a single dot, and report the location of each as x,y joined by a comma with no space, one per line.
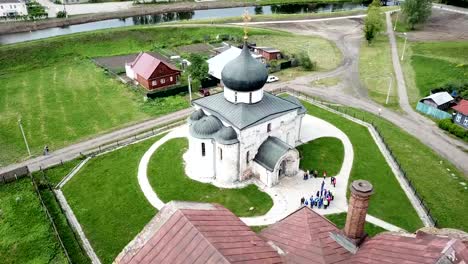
448,125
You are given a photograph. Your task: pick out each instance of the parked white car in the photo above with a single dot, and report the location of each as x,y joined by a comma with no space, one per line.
272,78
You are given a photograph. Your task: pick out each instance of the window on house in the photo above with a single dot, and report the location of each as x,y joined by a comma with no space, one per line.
220,154
247,157
154,82
269,127
163,80
235,97
250,97
203,149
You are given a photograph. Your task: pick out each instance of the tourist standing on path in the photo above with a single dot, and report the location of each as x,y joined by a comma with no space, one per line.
311,201
46,150
325,204
321,188
302,201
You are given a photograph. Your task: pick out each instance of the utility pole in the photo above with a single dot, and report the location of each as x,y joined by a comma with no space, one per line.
24,136
396,21
190,87
404,47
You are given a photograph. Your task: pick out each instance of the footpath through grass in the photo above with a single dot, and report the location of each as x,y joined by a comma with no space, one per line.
107,200
436,179
322,154
167,177
26,235
389,202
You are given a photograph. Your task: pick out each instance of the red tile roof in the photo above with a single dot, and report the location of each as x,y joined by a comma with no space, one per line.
462,107
145,64
304,236
185,232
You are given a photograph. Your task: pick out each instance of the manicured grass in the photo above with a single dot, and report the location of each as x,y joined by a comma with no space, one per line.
435,178
62,97
326,82
340,220
258,229
322,154
26,234
55,174
107,200
389,202
376,71
167,177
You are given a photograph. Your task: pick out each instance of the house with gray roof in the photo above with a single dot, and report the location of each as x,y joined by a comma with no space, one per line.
244,131
440,100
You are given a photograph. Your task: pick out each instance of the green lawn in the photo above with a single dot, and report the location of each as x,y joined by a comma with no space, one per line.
376,71
369,164
62,97
107,200
428,65
167,176
322,154
26,234
340,220
429,173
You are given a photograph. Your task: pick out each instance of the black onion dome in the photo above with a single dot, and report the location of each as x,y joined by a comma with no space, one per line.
227,136
244,73
206,127
196,115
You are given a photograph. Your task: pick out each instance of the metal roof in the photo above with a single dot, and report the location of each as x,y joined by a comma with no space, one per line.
188,232
439,98
296,101
462,107
145,64
269,153
216,64
242,115
10,1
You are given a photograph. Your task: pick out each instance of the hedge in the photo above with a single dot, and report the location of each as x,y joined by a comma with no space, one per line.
448,125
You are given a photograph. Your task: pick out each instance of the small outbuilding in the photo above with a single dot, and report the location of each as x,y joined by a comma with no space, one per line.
441,100
461,113
216,64
268,53
151,72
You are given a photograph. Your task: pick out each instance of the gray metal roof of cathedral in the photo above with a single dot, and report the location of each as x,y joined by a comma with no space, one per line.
206,127
244,73
244,115
294,100
269,153
226,136
197,115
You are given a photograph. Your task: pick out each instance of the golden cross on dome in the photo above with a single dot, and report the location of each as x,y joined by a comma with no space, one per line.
246,17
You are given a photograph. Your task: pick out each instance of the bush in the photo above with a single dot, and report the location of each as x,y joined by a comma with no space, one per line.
305,61
454,129
61,14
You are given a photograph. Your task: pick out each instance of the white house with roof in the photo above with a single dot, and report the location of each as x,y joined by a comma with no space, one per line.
244,131
217,63
440,100
12,8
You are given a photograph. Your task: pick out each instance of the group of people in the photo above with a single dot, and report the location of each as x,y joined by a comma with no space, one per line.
313,173
323,197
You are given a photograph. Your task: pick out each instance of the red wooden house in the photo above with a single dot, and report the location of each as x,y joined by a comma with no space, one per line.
152,73
268,53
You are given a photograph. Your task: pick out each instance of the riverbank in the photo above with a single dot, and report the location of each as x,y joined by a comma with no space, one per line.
138,10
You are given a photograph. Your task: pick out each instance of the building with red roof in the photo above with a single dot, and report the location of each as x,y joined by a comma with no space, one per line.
152,72
461,116
186,232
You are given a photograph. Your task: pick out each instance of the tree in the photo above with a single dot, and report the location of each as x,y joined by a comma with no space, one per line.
305,61
198,68
373,23
61,14
416,11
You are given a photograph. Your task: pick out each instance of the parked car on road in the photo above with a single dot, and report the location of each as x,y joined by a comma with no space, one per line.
272,78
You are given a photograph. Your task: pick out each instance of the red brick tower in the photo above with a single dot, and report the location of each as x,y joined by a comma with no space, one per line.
361,191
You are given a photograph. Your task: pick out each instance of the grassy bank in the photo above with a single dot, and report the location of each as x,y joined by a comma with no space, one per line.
122,210
376,71
369,164
26,234
62,97
340,220
166,174
322,154
436,179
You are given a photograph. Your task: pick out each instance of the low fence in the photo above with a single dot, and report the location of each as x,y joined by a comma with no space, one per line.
13,175
353,114
432,111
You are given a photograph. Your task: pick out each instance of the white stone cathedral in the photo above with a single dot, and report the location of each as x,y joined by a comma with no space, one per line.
244,132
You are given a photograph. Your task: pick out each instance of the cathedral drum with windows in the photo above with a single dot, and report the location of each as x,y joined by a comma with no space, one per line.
244,131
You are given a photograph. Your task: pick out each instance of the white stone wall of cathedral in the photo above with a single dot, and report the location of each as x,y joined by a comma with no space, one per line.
205,165
227,163
283,127
265,176
243,97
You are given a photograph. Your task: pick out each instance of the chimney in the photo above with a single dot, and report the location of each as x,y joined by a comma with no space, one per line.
361,191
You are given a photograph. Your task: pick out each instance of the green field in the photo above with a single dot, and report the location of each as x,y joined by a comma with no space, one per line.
62,97
429,65
376,71
322,154
167,177
340,220
369,164
26,234
436,179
